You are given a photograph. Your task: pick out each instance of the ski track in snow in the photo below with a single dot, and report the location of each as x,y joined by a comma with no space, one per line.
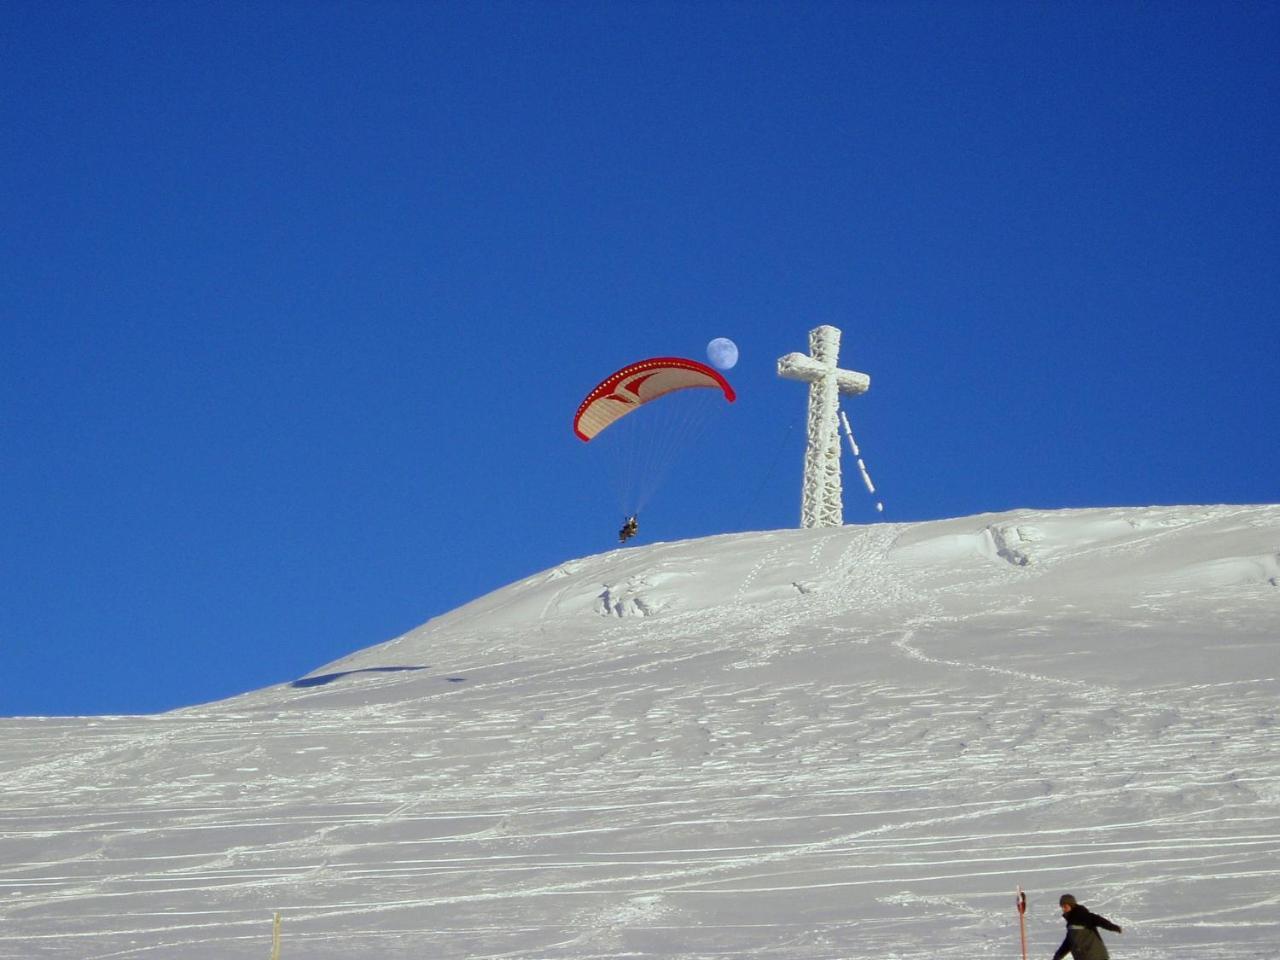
821,744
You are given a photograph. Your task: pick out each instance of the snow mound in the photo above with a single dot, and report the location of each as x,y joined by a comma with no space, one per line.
1231,572
628,600
1002,543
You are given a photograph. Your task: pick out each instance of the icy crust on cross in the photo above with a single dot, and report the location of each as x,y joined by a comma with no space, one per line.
822,504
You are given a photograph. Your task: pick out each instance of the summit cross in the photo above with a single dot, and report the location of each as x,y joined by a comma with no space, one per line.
822,504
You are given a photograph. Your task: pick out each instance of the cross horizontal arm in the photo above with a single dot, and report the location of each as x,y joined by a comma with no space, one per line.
802,367
851,383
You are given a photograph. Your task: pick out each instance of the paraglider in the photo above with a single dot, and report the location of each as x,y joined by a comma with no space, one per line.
630,527
636,384
644,447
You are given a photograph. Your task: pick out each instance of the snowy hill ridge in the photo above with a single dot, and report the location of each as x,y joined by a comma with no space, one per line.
800,744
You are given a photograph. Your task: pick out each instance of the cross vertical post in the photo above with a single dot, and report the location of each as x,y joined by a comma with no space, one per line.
822,504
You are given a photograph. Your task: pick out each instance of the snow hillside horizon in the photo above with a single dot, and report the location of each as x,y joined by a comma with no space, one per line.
802,744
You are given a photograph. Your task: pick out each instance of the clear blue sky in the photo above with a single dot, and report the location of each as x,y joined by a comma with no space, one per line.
298,299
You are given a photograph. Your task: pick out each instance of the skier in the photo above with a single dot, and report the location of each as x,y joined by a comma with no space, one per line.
629,528
1082,939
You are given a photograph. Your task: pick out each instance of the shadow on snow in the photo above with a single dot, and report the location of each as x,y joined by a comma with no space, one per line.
331,677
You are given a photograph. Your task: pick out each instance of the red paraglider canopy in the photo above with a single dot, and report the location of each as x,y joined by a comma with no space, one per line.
638,383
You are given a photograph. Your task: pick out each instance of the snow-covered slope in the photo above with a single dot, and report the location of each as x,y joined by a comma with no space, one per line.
801,744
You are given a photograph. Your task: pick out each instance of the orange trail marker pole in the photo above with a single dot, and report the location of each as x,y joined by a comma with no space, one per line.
1022,920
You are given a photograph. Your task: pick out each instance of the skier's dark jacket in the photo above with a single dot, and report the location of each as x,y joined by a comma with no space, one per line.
1082,935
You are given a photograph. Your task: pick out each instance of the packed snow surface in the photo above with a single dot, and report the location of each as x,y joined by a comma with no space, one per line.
842,743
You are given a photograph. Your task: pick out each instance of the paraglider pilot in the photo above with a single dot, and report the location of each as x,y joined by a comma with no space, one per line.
629,528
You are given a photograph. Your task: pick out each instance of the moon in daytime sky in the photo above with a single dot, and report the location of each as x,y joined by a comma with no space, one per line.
722,352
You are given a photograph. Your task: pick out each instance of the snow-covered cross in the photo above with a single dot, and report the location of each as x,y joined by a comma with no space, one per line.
822,505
